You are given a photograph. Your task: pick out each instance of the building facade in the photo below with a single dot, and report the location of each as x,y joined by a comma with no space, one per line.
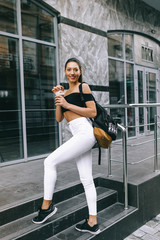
118,43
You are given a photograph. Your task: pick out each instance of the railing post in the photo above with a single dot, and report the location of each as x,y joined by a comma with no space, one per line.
155,145
109,162
125,172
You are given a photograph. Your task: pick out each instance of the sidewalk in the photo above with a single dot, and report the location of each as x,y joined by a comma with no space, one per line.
24,181
149,231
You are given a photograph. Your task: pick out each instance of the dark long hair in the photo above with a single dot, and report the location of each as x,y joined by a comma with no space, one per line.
80,79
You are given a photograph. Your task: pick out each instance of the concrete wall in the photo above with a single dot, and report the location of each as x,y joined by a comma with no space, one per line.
91,46
110,14
105,15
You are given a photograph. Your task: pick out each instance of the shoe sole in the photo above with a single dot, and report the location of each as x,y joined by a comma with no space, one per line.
47,217
83,230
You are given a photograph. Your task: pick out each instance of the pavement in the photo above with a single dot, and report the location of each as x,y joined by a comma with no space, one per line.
149,231
24,181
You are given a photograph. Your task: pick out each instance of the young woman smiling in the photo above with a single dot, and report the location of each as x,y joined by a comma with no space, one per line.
77,147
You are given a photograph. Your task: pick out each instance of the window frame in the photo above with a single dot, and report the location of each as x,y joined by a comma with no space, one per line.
22,38
125,61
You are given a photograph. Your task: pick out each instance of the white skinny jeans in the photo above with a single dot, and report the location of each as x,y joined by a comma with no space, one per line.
79,147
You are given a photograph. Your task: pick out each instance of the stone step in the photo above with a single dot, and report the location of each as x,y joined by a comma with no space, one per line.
11,213
109,222
72,208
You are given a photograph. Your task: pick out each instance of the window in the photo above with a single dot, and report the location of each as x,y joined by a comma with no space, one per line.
151,98
8,16
121,78
116,85
10,101
129,47
130,99
115,45
36,22
147,54
39,78
27,72
141,100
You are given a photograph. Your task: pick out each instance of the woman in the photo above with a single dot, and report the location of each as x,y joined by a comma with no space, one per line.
79,146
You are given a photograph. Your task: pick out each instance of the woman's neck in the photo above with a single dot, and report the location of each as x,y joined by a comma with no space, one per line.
72,86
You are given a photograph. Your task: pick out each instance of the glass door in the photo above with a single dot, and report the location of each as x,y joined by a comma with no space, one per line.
150,98
145,93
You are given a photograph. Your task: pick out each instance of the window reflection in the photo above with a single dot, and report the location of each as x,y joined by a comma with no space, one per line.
130,83
39,78
130,99
36,22
147,53
10,101
140,100
129,47
8,17
151,98
115,45
116,85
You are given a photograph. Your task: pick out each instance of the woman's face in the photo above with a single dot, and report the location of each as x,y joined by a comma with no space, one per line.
72,72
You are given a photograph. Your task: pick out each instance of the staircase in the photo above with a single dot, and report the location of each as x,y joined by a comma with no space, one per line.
16,222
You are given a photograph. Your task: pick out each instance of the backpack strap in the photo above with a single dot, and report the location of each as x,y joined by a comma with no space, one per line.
96,145
99,155
81,94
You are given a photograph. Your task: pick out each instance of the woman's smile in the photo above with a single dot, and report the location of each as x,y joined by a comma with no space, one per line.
72,77
72,71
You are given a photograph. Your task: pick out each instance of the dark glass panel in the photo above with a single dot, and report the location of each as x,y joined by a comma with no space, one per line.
151,98
140,100
8,16
36,22
116,85
115,45
130,99
39,79
11,140
129,47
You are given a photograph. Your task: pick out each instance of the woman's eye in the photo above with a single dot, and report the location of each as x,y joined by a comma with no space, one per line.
69,70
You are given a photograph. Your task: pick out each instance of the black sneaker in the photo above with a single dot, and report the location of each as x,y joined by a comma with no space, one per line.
85,227
43,215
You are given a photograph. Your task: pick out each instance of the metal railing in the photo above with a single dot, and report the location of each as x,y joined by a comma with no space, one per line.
124,146
125,172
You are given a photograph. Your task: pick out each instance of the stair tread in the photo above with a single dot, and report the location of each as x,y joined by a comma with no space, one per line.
26,208
106,218
24,224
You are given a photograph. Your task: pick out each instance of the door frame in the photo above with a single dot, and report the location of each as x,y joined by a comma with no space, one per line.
145,71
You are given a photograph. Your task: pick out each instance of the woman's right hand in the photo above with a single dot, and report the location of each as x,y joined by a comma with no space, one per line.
57,88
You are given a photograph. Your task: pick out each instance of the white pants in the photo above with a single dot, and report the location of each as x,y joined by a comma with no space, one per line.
79,147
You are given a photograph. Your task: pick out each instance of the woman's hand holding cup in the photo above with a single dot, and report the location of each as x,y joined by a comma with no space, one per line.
58,90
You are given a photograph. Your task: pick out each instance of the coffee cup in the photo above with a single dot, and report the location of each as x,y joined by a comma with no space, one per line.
59,93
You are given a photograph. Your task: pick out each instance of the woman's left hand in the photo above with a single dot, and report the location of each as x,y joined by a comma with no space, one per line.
60,101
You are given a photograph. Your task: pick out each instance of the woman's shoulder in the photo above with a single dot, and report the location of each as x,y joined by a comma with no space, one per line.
86,88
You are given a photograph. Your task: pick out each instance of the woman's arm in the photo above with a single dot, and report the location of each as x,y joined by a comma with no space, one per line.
59,114
90,110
